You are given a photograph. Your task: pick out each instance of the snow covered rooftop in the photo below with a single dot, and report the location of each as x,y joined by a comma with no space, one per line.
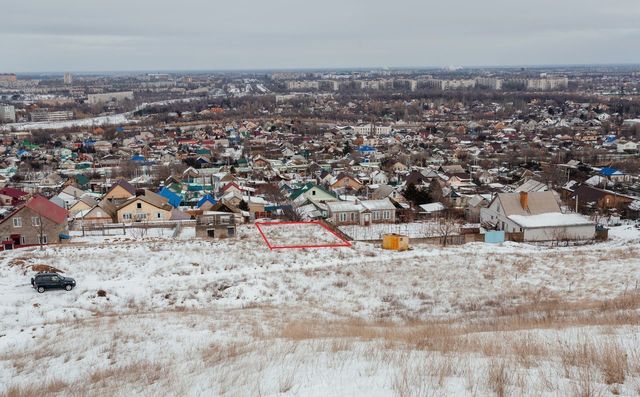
551,219
432,207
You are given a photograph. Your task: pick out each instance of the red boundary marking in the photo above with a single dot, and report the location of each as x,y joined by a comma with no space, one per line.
344,243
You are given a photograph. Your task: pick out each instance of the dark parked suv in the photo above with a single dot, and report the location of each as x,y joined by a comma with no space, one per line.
45,281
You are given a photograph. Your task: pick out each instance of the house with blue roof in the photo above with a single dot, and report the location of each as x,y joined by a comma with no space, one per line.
614,174
364,149
206,199
173,198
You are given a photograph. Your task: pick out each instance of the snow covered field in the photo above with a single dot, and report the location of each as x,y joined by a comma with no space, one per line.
90,122
287,234
231,318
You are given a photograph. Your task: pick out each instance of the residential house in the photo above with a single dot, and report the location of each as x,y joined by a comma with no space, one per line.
345,181
361,212
627,147
397,166
379,178
83,204
311,192
10,197
431,209
147,207
537,216
38,221
382,211
589,198
103,212
344,212
70,195
119,192
474,205
615,175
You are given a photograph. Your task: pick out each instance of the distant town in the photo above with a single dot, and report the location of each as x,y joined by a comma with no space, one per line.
482,149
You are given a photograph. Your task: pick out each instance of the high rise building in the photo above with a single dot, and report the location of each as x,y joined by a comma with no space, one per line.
68,79
7,114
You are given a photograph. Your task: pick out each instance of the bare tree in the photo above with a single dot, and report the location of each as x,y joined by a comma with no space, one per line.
561,234
41,231
447,226
292,214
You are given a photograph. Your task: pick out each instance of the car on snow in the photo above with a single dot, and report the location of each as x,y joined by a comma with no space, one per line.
44,281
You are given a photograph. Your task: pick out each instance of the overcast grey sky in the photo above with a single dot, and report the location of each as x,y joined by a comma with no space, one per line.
72,35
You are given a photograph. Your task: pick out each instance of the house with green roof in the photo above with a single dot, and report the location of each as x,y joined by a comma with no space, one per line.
313,192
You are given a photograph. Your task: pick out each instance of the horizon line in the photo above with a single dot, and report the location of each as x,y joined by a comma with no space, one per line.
457,68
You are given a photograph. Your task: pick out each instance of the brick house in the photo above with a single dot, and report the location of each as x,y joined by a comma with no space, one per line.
38,221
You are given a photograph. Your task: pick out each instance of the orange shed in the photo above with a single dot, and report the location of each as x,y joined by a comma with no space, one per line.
395,242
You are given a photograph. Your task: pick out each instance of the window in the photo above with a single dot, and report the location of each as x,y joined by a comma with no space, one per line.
139,205
313,192
353,217
159,215
43,239
17,222
23,240
35,221
141,216
126,216
342,217
376,215
386,214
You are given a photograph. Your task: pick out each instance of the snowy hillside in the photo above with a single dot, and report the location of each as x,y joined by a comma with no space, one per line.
231,317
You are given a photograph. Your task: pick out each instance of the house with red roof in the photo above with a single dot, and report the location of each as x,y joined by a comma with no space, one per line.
38,221
10,197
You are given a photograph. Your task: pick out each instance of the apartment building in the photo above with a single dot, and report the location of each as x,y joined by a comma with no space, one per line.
45,115
96,99
7,114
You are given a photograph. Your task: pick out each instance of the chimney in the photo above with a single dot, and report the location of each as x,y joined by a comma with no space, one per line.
524,200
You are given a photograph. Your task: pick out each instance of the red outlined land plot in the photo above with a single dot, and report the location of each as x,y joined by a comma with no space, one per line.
312,234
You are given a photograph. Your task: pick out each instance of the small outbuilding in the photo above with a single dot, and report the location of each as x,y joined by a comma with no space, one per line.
395,242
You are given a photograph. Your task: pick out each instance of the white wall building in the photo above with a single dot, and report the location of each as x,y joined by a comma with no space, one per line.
7,114
95,99
44,115
537,215
303,85
371,129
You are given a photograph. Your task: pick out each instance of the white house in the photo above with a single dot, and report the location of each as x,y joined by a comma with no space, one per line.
361,212
625,147
537,215
379,178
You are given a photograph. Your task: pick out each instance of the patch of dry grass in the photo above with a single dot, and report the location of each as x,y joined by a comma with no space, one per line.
48,388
